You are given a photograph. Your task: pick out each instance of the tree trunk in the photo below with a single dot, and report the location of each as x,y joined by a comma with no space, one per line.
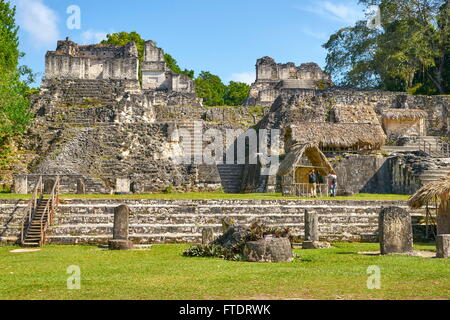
443,218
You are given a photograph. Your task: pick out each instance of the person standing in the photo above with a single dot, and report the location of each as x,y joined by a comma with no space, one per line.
332,183
312,178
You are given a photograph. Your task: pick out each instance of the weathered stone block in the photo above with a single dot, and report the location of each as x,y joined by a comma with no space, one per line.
120,245
81,188
316,245
207,235
443,246
123,186
269,250
21,184
121,222
395,230
311,226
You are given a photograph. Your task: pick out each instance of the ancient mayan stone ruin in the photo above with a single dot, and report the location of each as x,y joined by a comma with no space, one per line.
102,129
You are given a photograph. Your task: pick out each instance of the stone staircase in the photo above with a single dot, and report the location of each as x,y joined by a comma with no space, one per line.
32,236
429,176
88,91
194,144
435,148
231,176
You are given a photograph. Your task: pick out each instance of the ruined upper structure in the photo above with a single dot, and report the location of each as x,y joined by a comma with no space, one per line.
72,61
107,62
272,78
157,76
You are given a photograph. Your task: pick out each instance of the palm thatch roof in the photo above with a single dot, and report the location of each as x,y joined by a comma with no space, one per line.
433,190
339,135
359,113
312,152
397,114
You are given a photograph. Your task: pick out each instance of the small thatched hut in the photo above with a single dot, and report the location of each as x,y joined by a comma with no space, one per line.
337,136
404,122
298,163
436,191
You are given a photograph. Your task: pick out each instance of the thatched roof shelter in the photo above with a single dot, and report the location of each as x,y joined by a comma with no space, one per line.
359,136
348,113
438,191
397,114
314,155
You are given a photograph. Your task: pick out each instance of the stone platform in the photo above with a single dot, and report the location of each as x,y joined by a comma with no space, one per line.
182,221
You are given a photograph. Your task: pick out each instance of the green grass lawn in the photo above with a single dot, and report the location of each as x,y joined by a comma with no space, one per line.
162,273
212,195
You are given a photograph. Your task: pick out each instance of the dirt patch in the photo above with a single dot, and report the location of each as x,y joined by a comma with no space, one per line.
24,250
415,253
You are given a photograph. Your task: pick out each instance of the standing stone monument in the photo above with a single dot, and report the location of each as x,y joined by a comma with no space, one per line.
395,230
81,188
21,184
443,246
120,230
312,232
207,236
123,186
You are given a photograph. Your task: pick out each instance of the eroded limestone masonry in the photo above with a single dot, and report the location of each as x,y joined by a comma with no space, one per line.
95,125
175,221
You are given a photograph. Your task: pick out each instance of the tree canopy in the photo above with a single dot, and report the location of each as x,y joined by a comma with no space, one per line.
14,102
409,51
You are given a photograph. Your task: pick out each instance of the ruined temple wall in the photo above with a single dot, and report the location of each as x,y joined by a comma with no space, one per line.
125,68
62,66
172,221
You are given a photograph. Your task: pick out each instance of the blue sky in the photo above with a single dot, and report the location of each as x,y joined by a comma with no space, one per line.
223,37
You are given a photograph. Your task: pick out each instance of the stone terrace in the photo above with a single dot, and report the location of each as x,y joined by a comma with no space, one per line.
180,221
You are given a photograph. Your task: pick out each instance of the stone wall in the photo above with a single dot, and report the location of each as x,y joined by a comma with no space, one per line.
71,61
179,221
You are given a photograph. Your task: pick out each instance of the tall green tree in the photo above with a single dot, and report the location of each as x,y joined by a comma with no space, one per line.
236,93
173,65
123,38
409,52
211,88
9,40
14,102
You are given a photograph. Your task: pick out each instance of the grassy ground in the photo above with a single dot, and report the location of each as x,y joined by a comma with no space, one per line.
162,273
212,195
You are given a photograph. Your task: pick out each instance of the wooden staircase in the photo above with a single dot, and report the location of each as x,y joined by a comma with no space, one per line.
39,215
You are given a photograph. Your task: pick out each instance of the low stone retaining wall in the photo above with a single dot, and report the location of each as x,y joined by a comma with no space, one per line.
180,221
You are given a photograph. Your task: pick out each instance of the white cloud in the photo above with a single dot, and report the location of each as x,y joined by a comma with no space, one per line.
315,34
246,77
339,12
91,36
39,21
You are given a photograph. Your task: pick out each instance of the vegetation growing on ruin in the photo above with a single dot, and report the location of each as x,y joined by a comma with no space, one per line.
408,52
162,273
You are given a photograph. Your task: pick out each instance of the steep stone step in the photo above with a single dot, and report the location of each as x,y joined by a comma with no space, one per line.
231,176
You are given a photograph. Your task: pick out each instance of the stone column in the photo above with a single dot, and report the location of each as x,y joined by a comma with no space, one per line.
120,230
81,188
443,246
21,184
207,236
395,230
312,235
311,226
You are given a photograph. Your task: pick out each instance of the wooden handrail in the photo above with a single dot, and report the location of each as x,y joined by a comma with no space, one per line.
31,208
49,210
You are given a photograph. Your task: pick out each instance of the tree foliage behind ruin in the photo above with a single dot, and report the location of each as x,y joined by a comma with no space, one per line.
409,52
14,102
